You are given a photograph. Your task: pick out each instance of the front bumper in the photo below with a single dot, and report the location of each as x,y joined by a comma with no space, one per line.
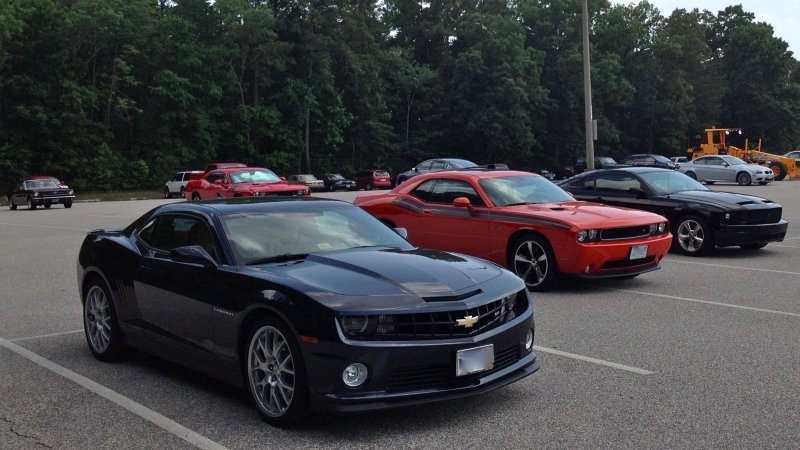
611,259
727,235
52,200
405,373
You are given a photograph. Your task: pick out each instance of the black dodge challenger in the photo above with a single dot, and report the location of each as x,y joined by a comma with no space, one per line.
309,304
701,219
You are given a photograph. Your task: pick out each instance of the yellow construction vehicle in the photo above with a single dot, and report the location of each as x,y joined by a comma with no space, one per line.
716,144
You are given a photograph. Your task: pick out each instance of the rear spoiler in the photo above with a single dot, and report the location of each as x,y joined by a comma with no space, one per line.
196,175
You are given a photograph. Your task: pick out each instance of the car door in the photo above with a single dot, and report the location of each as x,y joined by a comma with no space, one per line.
20,195
214,189
622,189
182,304
717,169
446,227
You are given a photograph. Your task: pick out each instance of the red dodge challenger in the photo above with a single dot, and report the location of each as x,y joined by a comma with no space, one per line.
524,222
241,182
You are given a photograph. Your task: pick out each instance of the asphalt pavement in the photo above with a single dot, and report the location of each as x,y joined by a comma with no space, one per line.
702,353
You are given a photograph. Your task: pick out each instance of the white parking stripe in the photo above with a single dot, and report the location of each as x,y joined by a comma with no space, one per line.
46,335
681,261
593,360
148,414
43,226
707,302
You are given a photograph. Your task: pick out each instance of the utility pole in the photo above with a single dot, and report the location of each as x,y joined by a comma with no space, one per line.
587,90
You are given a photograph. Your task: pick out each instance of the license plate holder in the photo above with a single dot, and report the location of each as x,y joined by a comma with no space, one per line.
638,252
474,360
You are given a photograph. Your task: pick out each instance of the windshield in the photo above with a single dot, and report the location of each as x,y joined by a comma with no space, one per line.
42,183
306,177
254,176
732,160
334,176
522,189
606,160
259,236
665,182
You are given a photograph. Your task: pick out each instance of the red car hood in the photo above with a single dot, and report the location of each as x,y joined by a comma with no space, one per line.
277,186
586,214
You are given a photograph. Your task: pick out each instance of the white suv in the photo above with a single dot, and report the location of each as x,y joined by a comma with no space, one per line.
177,185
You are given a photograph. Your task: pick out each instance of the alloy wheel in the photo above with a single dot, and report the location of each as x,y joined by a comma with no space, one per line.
530,263
97,319
691,236
271,371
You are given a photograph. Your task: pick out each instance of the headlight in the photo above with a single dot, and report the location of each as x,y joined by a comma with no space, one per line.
71,192
355,324
588,235
662,228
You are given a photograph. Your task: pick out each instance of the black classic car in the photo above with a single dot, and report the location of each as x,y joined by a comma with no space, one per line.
310,304
701,219
41,191
335,182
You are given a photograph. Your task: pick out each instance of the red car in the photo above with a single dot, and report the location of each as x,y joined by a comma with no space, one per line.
373,179
524,222
241,182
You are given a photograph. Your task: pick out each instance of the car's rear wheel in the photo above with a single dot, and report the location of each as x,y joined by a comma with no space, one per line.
693,236
276,373
68,203
167,194
368,187
753,246
11,203
31,204
691,175
743,179
100,323
47,205
531,258
195,197
183,192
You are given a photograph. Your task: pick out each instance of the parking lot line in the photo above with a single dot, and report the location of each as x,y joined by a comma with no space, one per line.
707,302
46,335
681,261
592,360
49,227
140,410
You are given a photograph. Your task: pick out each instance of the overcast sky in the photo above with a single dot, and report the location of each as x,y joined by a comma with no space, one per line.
783,15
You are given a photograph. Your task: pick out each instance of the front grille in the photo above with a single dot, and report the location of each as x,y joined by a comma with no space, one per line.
277,193
427,377
443,324
623,263
622,233
756,216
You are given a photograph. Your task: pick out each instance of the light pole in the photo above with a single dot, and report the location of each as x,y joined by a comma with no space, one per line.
587,90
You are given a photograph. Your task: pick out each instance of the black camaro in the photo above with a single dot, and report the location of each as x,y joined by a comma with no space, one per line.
310,304
700,218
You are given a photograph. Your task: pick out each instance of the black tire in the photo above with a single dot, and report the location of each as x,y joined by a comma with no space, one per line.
11,203
100,324
691,175
167,193
68,203
261,371
744,179
368,187
779,170
47,205
753,246
531,257
31,205
692,236
331,188
183,192
195,197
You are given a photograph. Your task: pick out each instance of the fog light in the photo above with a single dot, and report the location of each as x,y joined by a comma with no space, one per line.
529,340
588,268
354,375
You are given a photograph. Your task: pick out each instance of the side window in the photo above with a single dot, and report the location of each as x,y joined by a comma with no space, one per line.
216,176
438,165
445,191
715,161
425,165
170,231
701,161
424,190
185,176
146,232
619,182
585,183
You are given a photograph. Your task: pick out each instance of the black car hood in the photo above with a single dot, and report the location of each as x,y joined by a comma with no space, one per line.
428,274
726,200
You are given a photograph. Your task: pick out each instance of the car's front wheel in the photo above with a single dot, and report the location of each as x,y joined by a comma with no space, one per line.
100,323
531,258
68,203
31,204
743,179
691,175
275,373
167,194
11,203
693,236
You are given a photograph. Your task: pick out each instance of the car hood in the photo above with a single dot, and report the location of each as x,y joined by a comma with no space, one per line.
417,273
275,186
726,200
586,214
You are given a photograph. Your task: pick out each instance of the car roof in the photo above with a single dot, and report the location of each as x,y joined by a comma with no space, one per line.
238,169
632,169
237,205
472,174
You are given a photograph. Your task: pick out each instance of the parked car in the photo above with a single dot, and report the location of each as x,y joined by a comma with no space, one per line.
309,304
224,165
726,168
307,179
793,154
241,182
433,165
177,184
522,221
600,162
41,191
679,159
700,218
335,182
373,179
650,160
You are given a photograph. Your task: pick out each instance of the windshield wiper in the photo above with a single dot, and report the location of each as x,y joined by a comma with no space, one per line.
278,258
520,203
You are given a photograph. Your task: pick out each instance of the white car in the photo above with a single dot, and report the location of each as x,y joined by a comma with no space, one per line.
177,185
726,168
679,159
793,154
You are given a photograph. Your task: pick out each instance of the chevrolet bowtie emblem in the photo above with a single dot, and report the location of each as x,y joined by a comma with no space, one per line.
467,321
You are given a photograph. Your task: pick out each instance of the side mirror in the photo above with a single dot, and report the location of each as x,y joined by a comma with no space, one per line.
462,202
283,179
415,169
401,231
193,254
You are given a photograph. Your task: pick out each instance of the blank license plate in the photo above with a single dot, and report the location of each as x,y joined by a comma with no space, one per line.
638,252
474,360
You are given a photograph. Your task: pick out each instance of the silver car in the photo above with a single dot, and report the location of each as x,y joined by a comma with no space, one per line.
726,168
